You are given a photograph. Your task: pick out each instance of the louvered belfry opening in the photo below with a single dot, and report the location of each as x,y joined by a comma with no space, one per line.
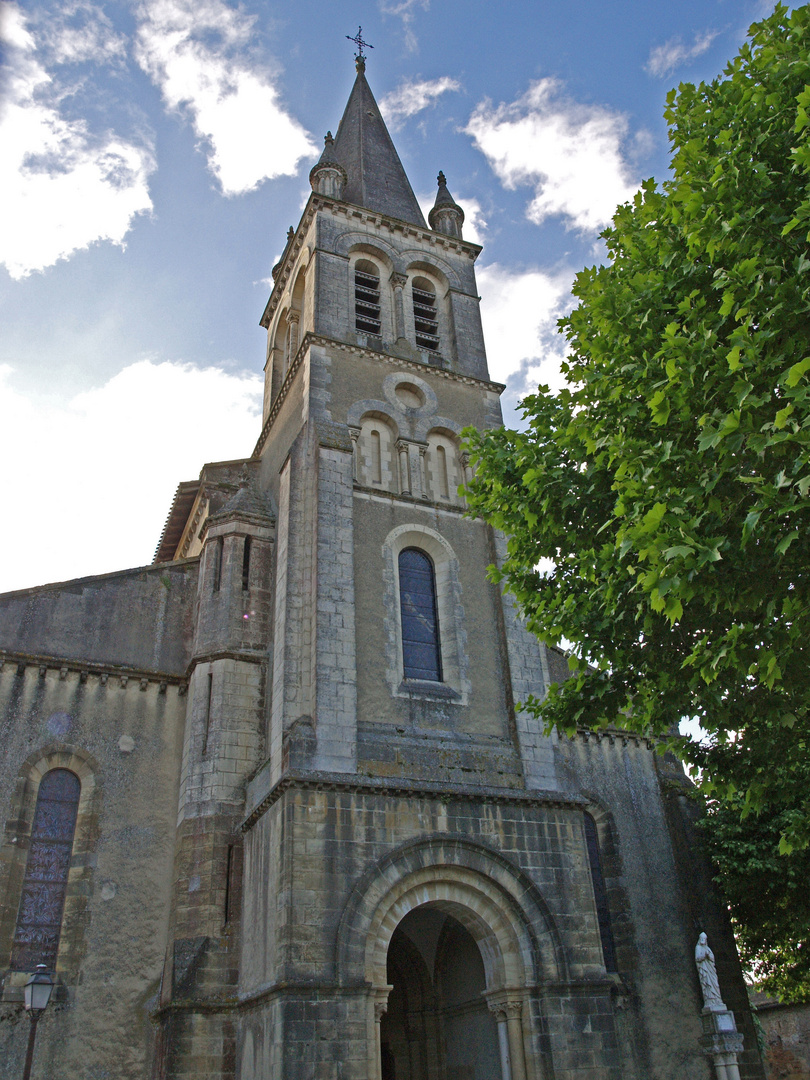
39,920
421,653
426,323
367,299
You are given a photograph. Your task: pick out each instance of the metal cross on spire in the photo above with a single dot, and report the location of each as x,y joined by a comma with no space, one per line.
358,40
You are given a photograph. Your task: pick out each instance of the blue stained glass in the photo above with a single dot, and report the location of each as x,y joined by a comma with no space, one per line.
421,654
39,919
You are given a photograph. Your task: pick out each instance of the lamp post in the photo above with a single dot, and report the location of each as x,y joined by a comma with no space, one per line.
37,995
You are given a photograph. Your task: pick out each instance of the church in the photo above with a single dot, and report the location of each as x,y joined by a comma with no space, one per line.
271,808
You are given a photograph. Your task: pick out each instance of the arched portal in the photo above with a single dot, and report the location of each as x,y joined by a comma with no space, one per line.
438,1025
501,911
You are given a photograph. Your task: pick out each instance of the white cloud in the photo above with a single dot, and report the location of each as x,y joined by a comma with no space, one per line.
475,225
80,32
62,187
198,54
665,58
405,10
572,154
412,97
519,311
121,451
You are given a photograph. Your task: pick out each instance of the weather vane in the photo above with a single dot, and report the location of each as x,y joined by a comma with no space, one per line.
358,40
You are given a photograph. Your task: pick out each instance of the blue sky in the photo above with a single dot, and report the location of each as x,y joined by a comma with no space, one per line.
153,155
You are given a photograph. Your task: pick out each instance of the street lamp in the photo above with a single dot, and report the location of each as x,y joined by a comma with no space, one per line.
37,995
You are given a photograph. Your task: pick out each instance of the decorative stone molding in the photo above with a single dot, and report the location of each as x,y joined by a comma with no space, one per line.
354,785
311,339
86,668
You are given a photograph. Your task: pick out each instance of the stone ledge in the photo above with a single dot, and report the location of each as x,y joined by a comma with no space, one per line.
366,785
87,667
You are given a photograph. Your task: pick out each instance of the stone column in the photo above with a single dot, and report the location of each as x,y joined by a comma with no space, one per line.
465,464
399,281
293,318
722,1043
423,470
404,469
355,434
507,1007
503,1039
379,1002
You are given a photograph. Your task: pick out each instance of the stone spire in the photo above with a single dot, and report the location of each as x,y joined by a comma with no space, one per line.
375,178
446,216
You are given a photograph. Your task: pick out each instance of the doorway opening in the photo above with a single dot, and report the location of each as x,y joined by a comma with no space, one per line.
438,1025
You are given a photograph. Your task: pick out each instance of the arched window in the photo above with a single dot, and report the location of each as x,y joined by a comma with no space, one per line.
426,322
367,298
421,653
600,894
39,919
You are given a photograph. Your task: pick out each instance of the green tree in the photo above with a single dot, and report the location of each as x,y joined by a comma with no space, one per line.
668,482
767,893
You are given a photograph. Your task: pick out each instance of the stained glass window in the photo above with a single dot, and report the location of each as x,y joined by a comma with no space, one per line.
421,656
600,894
39,920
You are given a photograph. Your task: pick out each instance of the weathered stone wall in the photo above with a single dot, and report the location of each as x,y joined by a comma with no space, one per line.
317,856
140,618
122,737
786,1029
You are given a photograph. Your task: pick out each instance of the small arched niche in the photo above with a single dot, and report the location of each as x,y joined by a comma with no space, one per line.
377,454
443,468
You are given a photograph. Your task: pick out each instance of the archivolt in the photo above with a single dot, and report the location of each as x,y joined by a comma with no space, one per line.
496,902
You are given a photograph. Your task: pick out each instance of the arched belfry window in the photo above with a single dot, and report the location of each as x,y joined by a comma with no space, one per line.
426,322
39,919
600,894
367,298
421,652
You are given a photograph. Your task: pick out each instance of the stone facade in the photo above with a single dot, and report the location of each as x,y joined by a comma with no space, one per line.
294,859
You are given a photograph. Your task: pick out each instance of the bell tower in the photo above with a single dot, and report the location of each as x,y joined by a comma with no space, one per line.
421,883
375,344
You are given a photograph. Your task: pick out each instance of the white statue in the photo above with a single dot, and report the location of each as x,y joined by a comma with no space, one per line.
707,973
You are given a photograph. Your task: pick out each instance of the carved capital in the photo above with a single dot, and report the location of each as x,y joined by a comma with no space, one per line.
399,281
381,1002
503,1007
